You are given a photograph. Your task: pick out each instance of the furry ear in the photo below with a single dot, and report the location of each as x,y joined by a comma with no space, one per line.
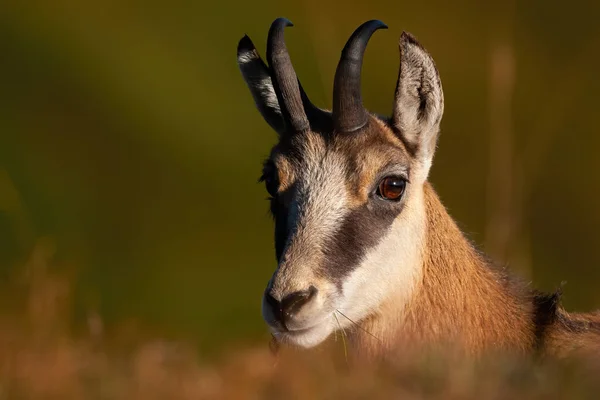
257,77
419,100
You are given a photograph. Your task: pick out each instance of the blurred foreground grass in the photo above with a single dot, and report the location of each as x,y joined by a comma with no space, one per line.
42,356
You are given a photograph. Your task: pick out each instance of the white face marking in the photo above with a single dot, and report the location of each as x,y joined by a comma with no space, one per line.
390,270
319,206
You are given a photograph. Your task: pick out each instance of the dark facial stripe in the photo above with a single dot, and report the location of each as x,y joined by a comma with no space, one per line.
282,231
361,230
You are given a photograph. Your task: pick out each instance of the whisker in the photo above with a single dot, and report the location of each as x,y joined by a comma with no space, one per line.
343,337
357,325
274,347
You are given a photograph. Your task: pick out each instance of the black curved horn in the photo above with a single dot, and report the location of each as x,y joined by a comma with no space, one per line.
349,113
285,81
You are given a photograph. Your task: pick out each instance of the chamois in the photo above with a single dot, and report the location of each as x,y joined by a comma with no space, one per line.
362,241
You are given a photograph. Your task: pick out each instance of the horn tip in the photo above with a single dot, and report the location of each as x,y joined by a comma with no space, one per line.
375,24
283,21
382,25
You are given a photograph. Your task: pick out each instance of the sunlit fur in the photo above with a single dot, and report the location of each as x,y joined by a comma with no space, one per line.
393,276
331,180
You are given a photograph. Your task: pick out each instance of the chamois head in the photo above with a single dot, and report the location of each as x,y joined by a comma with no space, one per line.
346,186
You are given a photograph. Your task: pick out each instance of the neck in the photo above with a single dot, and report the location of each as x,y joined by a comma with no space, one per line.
460,299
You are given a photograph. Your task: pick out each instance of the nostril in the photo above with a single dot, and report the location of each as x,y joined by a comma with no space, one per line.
293,302
275,306
271,301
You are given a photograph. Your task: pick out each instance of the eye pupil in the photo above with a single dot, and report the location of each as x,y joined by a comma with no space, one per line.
391,188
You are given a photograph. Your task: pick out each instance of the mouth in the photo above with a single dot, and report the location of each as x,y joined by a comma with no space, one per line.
304,337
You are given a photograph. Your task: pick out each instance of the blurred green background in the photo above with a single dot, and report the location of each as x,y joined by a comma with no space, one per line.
129,138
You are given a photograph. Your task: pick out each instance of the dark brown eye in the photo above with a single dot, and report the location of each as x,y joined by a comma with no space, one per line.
391,188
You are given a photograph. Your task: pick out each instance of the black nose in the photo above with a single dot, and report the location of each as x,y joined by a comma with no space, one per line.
290,305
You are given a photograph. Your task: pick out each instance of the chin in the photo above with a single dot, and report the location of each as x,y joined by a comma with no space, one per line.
305,338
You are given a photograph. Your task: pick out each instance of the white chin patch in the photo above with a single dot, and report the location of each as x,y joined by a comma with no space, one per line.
306,338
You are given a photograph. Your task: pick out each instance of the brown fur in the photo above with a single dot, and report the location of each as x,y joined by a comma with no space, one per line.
463,300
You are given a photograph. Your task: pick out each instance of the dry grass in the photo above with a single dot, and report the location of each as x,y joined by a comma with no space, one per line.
41,358
73,369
